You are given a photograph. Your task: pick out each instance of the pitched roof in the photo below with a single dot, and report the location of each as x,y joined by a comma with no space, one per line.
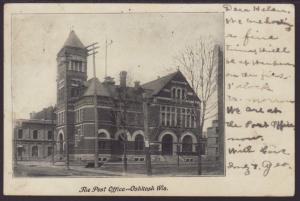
100,89
73,41
156,85
110,90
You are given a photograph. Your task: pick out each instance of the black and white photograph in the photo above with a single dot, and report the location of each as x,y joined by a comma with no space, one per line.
128,94
149,99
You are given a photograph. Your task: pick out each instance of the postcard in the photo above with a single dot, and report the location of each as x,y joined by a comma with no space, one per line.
149,99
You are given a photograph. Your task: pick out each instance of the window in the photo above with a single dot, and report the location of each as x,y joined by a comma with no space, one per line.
173,116
183,119
80,67
168,116
76,66
178,117
188,118
49,135
80,115
139,142
178,93
35,134
70,65
163,116
173,95
20,133
193,120
63,117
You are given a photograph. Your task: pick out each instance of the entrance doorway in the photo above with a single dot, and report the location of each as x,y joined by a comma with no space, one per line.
187,144
167,145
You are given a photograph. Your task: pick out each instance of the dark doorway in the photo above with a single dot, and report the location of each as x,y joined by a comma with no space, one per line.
167,145
61,144
187,144
139,143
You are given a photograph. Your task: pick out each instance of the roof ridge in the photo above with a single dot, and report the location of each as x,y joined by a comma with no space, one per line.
174,73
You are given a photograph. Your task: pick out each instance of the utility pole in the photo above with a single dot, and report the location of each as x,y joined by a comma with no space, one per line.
147,137
106,45
91,51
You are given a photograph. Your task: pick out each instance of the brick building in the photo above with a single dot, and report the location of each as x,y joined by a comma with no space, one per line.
172,107
34,139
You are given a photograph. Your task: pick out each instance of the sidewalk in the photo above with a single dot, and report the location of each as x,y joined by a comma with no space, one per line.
103,172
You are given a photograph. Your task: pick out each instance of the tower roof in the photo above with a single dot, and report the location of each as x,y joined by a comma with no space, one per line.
73,41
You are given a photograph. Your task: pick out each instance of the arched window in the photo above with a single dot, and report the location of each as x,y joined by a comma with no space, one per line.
139,142
178,93
187,144
173,93
167,145
34,151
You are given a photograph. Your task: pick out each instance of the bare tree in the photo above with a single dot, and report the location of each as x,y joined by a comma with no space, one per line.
122,102
198,63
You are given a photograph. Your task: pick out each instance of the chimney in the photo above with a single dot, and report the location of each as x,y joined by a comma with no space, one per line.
109,80
123,75
136,84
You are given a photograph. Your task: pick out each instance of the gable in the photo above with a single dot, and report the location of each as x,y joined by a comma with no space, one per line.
178,81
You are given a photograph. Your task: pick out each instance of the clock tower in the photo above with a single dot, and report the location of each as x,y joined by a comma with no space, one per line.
71,75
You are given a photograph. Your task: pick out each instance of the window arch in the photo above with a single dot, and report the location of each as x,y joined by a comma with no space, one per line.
139,142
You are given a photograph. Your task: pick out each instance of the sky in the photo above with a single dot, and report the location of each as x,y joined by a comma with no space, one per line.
144,44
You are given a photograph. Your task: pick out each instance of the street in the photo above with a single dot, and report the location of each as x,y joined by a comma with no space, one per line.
41,169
